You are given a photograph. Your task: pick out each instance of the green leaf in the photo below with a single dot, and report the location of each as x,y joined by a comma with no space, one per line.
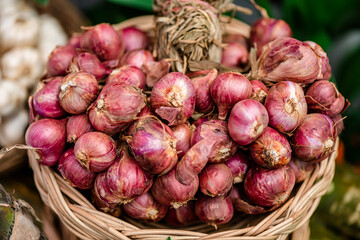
169,238
42,2
145,5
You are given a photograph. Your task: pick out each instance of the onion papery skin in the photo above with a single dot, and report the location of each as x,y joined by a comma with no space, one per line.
241,202
155,70
76,126
286,106
269,187
259,91
173,98
216,180
73,172
133,38
271,149
301,169
239,165
88,62
247,121
59,61
235,54
48,135
314,139
339,124
74,41
182,134
137,58
129,75
182,216
325,68
227,89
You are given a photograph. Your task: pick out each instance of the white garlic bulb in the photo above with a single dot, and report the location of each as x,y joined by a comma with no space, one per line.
7,6
12,97
13,127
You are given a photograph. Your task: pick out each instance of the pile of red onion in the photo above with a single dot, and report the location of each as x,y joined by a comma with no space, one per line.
153,144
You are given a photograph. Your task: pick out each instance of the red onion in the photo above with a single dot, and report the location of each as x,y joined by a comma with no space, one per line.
214,210
301,169
204,102
181,216
95,150
271,149
137,58
74,41
286,106
103,41
216,180
323,97
77,91
46,100
238,164
241,202
73,172
129,75
173,98
33,115
182,134
259,91
227,89
59,61
202,120
48,135
314,139
247,121
269,187
76,126
325,68
168,191
133,38
339,124
146,111
155,70
89,63
145,207
235,54
267,29
153,145
288,59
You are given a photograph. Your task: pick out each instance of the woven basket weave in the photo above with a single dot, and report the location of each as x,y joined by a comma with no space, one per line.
86,222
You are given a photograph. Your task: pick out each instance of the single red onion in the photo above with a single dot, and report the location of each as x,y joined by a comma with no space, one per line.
33,115
59,61
146,111
137,58
73,172
314,139
46,99
325,68
259,91
235,54
182,134
214,210
247,121
182,216
301,169
155,70
76,126
77,91
74,41
286,106
239,165
339,124
133,38
323,97
154,145
129,75
95,150
216,180
227,89
48,136
271,149
241,202
269,187
170,192
267,29
103,41
173,98
145,207
204,103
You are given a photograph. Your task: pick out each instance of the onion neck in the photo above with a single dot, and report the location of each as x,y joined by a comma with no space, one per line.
290,106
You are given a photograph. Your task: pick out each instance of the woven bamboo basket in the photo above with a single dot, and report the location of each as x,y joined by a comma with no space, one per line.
79,215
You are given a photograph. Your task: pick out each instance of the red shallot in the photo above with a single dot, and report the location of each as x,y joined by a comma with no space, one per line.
325,68
239,165
59,61
89,63
133,38
129,75
204,103
137,58
216,180
181,216
259,91
76,126
235,54
182,134
155,70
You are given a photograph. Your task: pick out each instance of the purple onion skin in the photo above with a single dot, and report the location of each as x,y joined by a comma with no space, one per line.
325,68
59,61
259,91
314,139
46,101
168,191
235,54
48,135
214,210
154,71
301,169
248,119
129,75
89,63
269,187
137,58
241,202
286,106
73,172
76,126
133,38
182,134
145,207
271,149
239,165
182,216
215,180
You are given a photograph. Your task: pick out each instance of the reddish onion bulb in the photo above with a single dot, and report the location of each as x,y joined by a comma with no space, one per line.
182,134
286,106
325,68
323,97
259,91
314,139
95,150
103,41
76,126
129,75
227,89
89,63
173,98
301,169
73,172
216,180
146,111
155,70
269,187
48,135
181,216
133,38
137,58
235,54
247,121
46,99
214,210
239,165
145,207
168,191
204,102
271,149
241,202
59,61
74,41
77,91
